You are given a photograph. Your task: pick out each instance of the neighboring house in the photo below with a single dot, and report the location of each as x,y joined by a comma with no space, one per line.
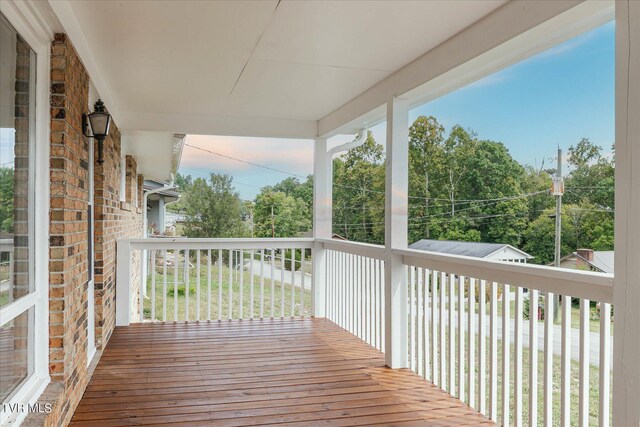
590,260
157,218
172,221
490,251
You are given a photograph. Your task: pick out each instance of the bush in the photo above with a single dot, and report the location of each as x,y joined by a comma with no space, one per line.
287,260
181,291
487,296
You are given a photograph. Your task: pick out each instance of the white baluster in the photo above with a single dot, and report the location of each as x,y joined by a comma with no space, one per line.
585,336
493,372
565,376
605,364
164,285
153,284
533,357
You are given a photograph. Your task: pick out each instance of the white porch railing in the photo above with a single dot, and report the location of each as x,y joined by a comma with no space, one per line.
474,347
355,289
467,327
213,279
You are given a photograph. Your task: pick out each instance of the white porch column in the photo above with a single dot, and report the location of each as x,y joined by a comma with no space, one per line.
396,207
322,223
124,300
626,369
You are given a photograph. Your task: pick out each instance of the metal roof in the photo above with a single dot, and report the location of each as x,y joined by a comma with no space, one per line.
602,260
472,249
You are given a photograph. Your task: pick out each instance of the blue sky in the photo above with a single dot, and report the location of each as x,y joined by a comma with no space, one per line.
553,98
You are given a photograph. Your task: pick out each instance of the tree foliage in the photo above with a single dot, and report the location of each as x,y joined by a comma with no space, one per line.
277,214
213,208
460,188
358,193
6,199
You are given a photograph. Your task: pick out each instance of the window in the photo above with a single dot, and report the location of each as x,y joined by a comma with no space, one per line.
16,144
22,344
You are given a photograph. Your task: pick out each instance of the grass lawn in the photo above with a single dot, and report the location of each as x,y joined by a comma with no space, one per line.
279,297
574,387
594,316
4,297
220,307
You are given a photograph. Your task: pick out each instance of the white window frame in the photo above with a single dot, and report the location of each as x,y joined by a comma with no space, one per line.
123,177
26,22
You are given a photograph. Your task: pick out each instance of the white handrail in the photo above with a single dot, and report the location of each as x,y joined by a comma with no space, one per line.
580,284
218,243
355,248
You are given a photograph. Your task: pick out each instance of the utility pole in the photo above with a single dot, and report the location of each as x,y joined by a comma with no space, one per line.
558,191
273,225
251,217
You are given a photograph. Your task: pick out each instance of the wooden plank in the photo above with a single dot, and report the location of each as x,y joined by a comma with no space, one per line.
256,372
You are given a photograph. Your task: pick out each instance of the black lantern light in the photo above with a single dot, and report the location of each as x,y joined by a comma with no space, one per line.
96,125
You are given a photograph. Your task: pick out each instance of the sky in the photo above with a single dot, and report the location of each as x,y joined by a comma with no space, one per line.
552,99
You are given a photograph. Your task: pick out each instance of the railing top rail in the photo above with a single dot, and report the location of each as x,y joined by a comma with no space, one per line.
219,243
355,248
576,283
6,245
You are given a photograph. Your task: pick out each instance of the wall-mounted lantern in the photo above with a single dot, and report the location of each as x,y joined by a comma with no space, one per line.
96,125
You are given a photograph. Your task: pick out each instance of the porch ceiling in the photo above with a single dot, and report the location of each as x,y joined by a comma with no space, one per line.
180,64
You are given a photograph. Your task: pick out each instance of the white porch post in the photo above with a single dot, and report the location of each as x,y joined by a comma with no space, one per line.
396,207
124,300
322,223
626,369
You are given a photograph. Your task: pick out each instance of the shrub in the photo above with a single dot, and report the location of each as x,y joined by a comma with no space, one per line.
181,291
287,260
487,295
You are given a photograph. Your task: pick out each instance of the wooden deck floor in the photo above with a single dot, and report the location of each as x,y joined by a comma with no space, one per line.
303,372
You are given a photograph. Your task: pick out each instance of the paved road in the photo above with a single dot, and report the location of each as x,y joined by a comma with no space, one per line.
277,272
594,337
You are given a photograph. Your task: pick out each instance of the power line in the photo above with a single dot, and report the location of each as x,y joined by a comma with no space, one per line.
245,161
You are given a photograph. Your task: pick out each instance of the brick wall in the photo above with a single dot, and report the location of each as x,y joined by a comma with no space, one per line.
69,253
114,220
23,118
68,264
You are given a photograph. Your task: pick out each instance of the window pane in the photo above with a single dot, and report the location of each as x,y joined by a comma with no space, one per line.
17,84
15,346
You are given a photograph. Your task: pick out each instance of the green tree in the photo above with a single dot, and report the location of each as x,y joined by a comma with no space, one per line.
537,182
213,208
540,237
298,190
583,226
462,188
426,154
6,199
277,214
591,177
182,185
358,193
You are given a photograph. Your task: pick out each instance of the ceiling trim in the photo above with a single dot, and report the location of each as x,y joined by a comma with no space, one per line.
219,125
483,48
34,17
73,29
